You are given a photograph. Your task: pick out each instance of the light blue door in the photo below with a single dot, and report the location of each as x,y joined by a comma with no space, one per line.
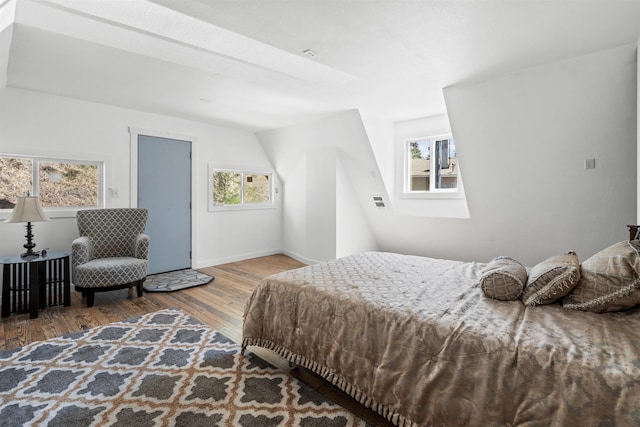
164,189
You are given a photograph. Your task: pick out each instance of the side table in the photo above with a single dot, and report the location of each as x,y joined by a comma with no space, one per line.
29,284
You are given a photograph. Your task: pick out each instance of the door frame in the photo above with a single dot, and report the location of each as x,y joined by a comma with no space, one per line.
133,173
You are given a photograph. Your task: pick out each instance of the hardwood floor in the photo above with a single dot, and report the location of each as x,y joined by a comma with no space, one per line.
219,304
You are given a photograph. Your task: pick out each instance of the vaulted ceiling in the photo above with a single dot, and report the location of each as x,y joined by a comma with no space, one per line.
243,63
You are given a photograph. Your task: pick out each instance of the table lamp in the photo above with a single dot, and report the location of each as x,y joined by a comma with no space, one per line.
28,209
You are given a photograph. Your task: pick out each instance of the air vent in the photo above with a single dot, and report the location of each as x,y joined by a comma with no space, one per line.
379,201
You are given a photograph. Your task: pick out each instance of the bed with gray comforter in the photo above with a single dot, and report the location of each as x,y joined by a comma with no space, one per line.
415,339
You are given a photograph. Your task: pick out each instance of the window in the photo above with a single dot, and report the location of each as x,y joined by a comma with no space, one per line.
60,183
237,188
431,165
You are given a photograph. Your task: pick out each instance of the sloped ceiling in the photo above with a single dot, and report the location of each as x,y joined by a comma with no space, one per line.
242,63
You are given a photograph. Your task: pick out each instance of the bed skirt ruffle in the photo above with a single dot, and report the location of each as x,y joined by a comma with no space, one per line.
331,377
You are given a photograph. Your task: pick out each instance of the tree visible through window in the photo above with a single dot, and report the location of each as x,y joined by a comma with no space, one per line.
227,188
231,188
427,172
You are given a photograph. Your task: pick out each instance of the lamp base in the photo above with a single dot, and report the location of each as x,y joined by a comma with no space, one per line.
29,245
30,255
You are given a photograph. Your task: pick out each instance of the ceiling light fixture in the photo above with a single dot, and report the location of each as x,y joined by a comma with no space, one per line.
310,53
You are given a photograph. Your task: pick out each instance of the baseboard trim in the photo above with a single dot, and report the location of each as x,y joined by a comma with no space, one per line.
299,257
242,257
235,258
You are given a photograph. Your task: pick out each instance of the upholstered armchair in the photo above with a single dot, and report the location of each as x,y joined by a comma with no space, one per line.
111,252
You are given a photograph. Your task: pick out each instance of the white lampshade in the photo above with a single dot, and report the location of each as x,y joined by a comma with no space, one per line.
28,209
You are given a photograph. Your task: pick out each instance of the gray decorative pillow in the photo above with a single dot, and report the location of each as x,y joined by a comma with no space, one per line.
503,279
610,280
552,279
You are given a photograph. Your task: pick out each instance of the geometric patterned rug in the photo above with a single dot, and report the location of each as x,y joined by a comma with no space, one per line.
161,369
175,280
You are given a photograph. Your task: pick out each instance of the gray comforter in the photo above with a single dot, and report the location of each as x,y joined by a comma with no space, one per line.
415,339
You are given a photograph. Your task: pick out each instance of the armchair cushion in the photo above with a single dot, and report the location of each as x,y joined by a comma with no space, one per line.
107,272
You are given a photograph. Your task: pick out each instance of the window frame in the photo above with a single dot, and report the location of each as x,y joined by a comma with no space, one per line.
59,211
214,207
432,193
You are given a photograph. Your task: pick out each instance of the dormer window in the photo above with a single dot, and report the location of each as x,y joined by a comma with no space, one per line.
431,165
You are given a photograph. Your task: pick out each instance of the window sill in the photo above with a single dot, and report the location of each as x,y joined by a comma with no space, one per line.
227,208
433,196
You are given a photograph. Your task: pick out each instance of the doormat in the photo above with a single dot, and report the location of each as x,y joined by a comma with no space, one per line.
175,280
161,369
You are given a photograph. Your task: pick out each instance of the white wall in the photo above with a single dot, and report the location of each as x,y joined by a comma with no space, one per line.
33,123
320,198
638,133
6,35
353,232
321,164
379,133
523,139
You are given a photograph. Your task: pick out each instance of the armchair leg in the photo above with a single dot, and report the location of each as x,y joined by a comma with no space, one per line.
139,287
90,298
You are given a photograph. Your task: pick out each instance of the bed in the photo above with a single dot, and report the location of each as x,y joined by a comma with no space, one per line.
416,340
